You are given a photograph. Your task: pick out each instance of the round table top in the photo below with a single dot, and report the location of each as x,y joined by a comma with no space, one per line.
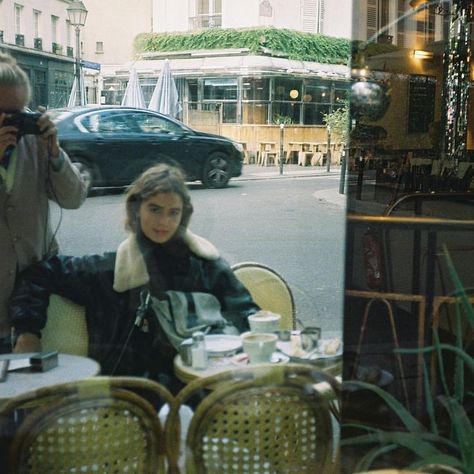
186,373
69,369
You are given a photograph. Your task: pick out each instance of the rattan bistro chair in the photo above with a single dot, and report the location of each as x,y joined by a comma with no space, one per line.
269,290
66,327
261,419
103,424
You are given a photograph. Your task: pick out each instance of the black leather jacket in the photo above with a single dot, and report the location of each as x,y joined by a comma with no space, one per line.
110,314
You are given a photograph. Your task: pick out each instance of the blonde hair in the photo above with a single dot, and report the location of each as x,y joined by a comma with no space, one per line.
162,178
12,75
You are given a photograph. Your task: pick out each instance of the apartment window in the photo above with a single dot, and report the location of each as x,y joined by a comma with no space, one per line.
401,24
18,18
209,14
99,47
320,16
54,28
37,23
378,16
425,25
313,16
68,33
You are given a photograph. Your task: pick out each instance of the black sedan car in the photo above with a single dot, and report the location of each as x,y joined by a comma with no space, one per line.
112,145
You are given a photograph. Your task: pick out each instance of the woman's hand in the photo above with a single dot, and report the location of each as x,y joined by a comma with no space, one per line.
49,133
7,136
27,342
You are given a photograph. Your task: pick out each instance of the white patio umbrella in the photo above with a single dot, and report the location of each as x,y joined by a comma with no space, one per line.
133,96
73,95
165,94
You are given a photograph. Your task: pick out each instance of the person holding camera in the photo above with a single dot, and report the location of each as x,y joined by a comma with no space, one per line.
33,170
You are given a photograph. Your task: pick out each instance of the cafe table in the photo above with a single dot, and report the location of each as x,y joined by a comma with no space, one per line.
185,373
69,369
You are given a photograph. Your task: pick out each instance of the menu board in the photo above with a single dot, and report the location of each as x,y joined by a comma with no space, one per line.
421,103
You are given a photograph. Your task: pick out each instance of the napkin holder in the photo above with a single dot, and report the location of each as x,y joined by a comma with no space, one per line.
44,361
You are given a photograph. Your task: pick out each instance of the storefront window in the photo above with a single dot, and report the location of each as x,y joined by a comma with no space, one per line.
288,89
220,89
255,88
287,113
255,113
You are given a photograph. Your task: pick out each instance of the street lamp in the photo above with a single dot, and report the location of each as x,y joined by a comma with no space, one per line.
77,14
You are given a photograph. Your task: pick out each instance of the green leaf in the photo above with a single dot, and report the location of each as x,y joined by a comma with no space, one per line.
459,287
366,461
278,42
410,422
468,360
421,444
461,425
429,400
440,460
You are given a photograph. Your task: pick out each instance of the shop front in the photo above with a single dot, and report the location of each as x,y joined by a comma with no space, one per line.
244,97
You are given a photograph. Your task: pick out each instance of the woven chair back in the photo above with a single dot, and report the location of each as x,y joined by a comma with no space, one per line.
265,420
66,327
269,290
96,425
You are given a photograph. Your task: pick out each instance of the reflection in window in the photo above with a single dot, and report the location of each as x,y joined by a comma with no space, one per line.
209,14
148,123
288,89
255,88
284,112
220,89
255,113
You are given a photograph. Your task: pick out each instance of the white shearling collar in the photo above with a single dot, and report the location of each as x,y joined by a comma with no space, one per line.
130,268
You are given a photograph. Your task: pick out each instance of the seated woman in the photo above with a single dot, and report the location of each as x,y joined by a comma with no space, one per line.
159,255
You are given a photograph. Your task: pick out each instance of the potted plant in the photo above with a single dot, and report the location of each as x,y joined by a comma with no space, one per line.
444,441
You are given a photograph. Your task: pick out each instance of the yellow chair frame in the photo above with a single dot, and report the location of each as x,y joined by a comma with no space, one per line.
103,424
269,290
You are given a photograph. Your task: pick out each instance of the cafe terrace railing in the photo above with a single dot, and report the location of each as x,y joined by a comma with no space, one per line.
425,299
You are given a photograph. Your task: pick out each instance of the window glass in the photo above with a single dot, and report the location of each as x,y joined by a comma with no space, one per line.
255,88
107,122
220,88
284,112
149,123
255,112
313,114
288,89
318,93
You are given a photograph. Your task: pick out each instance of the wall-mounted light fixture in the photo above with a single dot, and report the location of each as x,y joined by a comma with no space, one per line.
294,94
420,54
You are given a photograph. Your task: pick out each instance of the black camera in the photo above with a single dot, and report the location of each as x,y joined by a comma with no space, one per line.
26,122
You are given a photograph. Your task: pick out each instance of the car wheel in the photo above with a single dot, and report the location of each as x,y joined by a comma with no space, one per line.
86,172
216,171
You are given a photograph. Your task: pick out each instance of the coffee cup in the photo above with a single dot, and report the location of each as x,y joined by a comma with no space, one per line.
264,321
259,346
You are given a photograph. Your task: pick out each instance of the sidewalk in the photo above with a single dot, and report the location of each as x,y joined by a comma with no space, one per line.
256,172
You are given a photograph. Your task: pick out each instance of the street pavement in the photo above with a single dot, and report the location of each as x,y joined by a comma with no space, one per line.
332,195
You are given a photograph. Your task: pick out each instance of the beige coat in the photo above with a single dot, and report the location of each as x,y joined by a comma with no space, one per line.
25,224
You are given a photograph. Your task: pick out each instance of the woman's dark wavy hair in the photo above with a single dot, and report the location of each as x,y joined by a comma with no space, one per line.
162,178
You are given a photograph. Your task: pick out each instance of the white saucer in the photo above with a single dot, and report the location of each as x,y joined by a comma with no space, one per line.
243,359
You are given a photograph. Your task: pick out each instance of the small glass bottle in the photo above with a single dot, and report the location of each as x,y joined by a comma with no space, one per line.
198,351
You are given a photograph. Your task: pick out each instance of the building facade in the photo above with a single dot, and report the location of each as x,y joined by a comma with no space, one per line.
39,36
327,17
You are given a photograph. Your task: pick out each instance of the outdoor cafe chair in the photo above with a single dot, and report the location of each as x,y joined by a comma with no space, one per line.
262,419
101,424
269,290
66,327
